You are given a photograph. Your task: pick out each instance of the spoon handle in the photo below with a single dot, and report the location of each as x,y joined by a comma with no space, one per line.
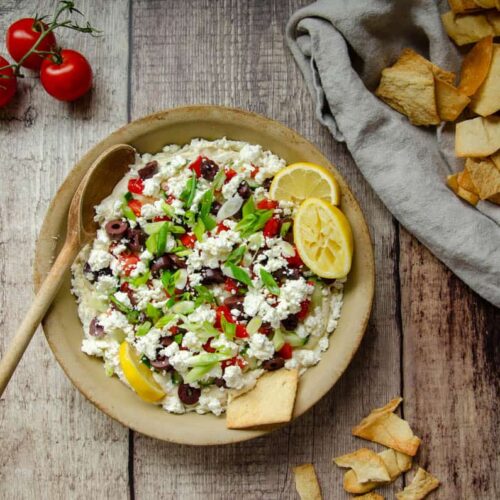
36,312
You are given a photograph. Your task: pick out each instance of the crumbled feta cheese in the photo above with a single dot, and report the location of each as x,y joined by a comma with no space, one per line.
152,186
123,298
149,344
192,342
203,313
260,347
233,377
99,259
106,285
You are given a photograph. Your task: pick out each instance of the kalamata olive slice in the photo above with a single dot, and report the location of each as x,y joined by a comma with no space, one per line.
209,169
177,261
215,207
234,302
273,364
96,329
137,238
188,395
267,183
220,382
290,322
244,190
148,170
116,229
160,363
166,341
160,264
212,277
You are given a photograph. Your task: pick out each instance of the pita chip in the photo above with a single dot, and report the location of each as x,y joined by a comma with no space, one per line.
371,496
476,66
467,28
423,483
366,464
306,482
450,101
486,100
478,137
412,60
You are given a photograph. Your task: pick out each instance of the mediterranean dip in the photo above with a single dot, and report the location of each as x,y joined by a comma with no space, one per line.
194,273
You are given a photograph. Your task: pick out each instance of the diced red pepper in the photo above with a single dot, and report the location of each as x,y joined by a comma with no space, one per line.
304,310
286,351
231,286
266,329
222,310
295,260
254,172
196,166
174,330
230,173
135,206
266,204
221,227
272,227
188,240
161,218
124,287
207,345
241,331
136,185
170,198
129,261
236,361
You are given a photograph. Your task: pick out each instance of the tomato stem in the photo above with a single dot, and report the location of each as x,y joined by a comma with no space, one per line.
45,29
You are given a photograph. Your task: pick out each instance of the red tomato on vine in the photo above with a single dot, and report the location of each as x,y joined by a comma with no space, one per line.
8,83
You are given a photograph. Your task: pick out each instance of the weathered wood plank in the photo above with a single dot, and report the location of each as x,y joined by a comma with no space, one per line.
451,375
54,444
233,53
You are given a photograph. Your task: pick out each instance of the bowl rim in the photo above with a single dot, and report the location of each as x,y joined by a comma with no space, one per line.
76,173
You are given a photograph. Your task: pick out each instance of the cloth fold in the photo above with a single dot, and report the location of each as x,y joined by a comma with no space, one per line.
341,47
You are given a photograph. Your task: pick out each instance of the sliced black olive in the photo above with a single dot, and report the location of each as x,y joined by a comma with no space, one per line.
188,395
161,263
209,169
160,363
212,277
116,229
244,190
273,364
137,238
177,262
166,341
234,302
220,382
96,329
290,322
148,170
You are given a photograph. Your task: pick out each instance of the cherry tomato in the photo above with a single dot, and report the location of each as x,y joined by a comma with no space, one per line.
286,351
266,204
295,260
241,331
68,79
230,173
8,83
196,166
129,261
272,228
222,310
188,240
135,206
207,345
304,310
136,185
22,35
231,286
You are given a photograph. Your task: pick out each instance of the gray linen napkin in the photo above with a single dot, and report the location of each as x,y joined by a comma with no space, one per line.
341,46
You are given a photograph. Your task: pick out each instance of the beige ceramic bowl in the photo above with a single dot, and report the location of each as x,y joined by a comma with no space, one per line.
62,326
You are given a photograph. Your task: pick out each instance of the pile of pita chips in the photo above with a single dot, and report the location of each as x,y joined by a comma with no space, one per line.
271,401
369,470
306,482
423,483
421,90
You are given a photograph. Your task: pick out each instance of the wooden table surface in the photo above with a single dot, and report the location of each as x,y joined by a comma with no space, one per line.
430,339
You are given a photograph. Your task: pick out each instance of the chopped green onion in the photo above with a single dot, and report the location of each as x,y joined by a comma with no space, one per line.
210,329
206,203
189,218
184,307
239,274
177,230
184,253
253,325
285,228
128,196
176,378
167,209
164,321
269,281
154,227
236,255
278,339
162,239
198,372
178,338
252,222
294,340
143,329
145,361
205,296
228,328
152,244
248,207
168,281
120,305
199,229
153,312
207,358
187,196
219,179
128,212
139,280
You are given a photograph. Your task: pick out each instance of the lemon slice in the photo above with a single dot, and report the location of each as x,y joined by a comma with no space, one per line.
138,375
300,181
323,238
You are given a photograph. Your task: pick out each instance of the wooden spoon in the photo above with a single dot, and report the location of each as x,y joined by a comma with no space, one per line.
98,183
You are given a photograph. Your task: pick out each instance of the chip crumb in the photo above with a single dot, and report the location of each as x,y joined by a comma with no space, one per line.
385,427
306,482
423,483
370,496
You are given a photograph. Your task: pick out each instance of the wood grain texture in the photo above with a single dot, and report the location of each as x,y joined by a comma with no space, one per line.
54,444
451,375
233,53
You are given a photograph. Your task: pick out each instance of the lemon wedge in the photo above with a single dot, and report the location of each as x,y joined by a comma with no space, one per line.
300,181
138,375
323,238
